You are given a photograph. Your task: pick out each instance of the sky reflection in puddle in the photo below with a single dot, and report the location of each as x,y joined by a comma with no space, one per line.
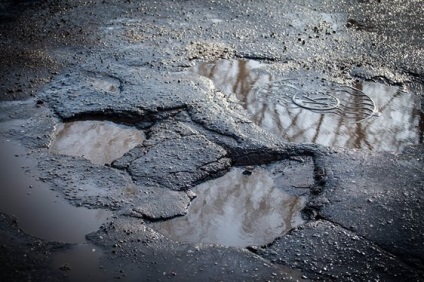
400,122
237,210
98,141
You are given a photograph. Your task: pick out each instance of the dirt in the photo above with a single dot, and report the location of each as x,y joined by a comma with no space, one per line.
131,64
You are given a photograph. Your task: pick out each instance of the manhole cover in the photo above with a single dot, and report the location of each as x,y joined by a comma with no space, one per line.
316,101
322,97
268,100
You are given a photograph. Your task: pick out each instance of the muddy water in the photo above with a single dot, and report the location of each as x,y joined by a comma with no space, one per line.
98,141
238,209
386,118
40,211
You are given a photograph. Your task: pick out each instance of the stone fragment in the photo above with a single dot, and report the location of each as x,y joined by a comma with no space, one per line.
179,164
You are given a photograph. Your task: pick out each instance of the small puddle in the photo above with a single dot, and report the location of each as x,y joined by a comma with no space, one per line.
101,142
41,212
370,115
239,209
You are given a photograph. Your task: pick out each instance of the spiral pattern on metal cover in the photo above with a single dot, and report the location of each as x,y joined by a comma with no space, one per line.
322,97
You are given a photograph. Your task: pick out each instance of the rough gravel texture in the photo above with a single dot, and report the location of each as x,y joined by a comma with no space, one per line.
130,62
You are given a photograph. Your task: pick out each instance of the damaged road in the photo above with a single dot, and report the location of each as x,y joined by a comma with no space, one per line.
143,109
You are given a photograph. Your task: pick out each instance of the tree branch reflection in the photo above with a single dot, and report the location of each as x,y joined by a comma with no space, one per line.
271,108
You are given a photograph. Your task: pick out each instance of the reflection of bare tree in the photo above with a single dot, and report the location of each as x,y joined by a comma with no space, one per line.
271,108
237,210
237,79
360,136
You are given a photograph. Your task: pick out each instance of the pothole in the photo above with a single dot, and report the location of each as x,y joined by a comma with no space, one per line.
305,109
101,142
40,211
245,207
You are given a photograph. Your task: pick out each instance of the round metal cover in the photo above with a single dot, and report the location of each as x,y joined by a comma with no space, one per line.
320,96
316,101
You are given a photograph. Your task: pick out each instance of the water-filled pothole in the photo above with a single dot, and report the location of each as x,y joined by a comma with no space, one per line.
98,141
304,109
245,208
41,212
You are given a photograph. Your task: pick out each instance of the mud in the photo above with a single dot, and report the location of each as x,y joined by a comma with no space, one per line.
131,64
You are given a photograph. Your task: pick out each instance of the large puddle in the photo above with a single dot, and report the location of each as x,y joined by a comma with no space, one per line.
101,142
41,212
370,115
244,208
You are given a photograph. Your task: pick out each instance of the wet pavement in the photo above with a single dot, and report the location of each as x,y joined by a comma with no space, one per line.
163,140
80,263
38,210
369,115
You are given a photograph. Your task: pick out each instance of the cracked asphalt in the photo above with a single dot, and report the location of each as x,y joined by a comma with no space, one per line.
131,63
